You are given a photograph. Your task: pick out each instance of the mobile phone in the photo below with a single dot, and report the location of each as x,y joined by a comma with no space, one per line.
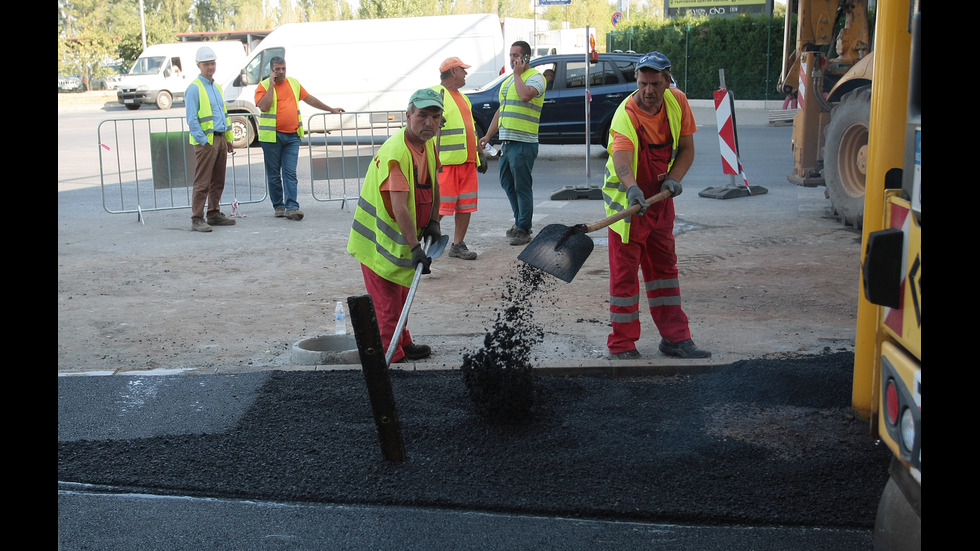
525,59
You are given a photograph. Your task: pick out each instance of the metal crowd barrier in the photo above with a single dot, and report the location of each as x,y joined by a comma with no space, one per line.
147,164
341,146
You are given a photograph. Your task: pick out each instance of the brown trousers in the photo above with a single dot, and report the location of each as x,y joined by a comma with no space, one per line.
209,176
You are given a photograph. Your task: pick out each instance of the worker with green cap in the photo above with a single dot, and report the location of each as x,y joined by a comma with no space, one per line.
397,210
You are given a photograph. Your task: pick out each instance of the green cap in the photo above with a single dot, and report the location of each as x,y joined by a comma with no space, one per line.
426,97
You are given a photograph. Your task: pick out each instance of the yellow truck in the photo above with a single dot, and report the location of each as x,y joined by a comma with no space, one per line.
887,388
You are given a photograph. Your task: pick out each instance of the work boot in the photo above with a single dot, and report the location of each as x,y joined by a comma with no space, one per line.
628,355
521,237
513,229
460,251
281,212
198,224
294,214
417,351
219,219
683,349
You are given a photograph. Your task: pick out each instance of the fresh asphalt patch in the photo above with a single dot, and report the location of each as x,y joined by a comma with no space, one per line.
761,442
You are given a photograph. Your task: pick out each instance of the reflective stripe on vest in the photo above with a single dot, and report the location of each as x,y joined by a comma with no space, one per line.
267,120
613,191
516,114
205,116
452,137
375,239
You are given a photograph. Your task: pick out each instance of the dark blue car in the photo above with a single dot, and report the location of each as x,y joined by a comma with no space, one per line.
611,79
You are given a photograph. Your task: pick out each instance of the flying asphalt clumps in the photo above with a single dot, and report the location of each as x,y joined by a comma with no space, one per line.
498,377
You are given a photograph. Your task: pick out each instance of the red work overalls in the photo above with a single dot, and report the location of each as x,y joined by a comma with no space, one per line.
650,250
389,298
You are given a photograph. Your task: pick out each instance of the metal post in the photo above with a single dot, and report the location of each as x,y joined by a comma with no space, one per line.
588,141
365,323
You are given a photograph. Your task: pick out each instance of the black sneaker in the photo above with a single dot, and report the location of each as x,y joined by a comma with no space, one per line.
628,355
417,351
683,349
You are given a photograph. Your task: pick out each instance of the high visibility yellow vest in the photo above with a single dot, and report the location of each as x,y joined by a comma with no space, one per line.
516,114
375,239
452,137
205,116
267,120
613,191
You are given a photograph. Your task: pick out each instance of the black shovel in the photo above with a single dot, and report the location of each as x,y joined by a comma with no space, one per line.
561,250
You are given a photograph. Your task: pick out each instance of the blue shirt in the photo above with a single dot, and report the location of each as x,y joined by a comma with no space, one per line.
192,103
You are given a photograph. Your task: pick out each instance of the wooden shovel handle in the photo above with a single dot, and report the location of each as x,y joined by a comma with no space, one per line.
599,224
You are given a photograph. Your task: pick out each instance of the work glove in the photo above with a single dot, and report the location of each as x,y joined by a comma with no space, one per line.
432,230
634,196
673,185
418,257
482,167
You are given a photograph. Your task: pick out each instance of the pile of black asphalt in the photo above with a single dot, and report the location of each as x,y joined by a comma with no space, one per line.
763,442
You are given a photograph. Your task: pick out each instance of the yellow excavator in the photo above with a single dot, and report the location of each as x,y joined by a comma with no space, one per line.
887,382
858,131
828,74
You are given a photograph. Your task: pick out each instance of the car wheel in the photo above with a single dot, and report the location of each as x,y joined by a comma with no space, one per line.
243,130
132,106
164,100
604,141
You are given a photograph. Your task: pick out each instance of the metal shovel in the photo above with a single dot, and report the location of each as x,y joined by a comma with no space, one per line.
561,250
433,251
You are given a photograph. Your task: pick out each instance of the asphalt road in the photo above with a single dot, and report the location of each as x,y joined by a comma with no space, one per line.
755,456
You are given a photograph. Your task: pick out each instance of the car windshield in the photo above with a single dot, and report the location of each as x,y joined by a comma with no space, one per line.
495,82
147,65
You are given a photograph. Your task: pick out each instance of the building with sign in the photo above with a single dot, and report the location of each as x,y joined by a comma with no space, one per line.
717,8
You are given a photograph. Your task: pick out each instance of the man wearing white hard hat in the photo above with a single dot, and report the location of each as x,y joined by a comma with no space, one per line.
651,148
211,136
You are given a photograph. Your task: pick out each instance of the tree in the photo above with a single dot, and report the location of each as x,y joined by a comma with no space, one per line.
595,14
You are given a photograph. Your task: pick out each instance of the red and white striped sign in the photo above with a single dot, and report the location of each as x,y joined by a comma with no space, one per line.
730,163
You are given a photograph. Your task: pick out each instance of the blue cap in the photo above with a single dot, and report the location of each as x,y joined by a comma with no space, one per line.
654,60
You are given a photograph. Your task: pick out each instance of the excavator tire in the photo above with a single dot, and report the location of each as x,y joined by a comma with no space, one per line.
845,156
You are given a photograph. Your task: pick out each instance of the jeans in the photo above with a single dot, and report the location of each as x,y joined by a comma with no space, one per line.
516,162
280,169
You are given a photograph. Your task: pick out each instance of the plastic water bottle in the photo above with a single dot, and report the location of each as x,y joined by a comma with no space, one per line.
341,319
489,150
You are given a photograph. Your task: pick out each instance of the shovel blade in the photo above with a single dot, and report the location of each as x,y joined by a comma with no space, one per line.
559,251
436,249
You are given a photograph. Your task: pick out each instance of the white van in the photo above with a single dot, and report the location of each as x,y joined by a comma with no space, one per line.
163,72
366,64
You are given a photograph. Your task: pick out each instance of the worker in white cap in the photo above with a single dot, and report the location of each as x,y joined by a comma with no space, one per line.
211,136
